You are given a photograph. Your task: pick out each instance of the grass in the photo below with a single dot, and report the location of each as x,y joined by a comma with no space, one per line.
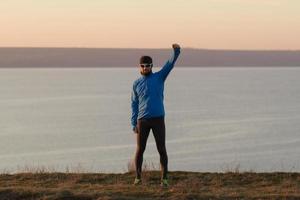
184,185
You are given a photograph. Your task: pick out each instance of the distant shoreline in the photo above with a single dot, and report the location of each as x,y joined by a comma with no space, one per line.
155,67
28,57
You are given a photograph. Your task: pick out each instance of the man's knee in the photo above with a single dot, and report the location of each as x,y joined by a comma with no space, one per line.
140,150
162,150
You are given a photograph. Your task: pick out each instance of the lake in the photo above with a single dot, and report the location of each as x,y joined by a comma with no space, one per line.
217,119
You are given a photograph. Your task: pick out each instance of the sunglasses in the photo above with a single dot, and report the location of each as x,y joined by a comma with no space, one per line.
146,65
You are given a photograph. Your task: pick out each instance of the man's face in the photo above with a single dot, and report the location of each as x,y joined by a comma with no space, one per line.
146,68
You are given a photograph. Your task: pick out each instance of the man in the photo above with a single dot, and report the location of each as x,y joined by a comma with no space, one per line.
148,111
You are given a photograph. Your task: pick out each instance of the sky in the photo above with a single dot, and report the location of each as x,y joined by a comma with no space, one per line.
207,24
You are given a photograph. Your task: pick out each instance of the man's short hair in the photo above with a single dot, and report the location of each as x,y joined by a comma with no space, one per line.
146,59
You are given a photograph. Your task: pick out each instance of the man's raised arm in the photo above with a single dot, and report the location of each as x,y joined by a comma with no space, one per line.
168,66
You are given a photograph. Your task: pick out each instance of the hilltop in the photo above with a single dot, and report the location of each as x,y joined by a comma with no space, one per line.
183,185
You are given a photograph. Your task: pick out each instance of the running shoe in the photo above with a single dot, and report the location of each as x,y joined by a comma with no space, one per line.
137,181
164,182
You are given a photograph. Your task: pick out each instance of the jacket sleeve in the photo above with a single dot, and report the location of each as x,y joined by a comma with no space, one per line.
168,66
134,107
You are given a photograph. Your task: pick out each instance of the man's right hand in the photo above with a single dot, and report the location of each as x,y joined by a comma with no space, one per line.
135,130
176,46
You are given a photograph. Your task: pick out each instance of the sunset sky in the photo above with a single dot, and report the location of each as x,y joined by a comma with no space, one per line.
210,24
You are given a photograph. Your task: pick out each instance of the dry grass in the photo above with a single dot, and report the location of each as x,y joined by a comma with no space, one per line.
184,185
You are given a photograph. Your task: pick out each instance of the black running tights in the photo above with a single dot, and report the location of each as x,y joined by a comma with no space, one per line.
159,131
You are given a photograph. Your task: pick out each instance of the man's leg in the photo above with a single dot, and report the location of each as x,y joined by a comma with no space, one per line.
141,138
159,132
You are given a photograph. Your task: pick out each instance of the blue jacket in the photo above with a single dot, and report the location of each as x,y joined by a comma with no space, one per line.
147,94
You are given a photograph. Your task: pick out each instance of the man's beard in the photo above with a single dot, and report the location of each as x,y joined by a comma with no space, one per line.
146,73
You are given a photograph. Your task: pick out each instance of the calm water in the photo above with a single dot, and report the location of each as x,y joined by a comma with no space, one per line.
217,119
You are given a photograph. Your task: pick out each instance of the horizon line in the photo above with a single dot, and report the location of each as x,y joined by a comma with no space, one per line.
137,48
